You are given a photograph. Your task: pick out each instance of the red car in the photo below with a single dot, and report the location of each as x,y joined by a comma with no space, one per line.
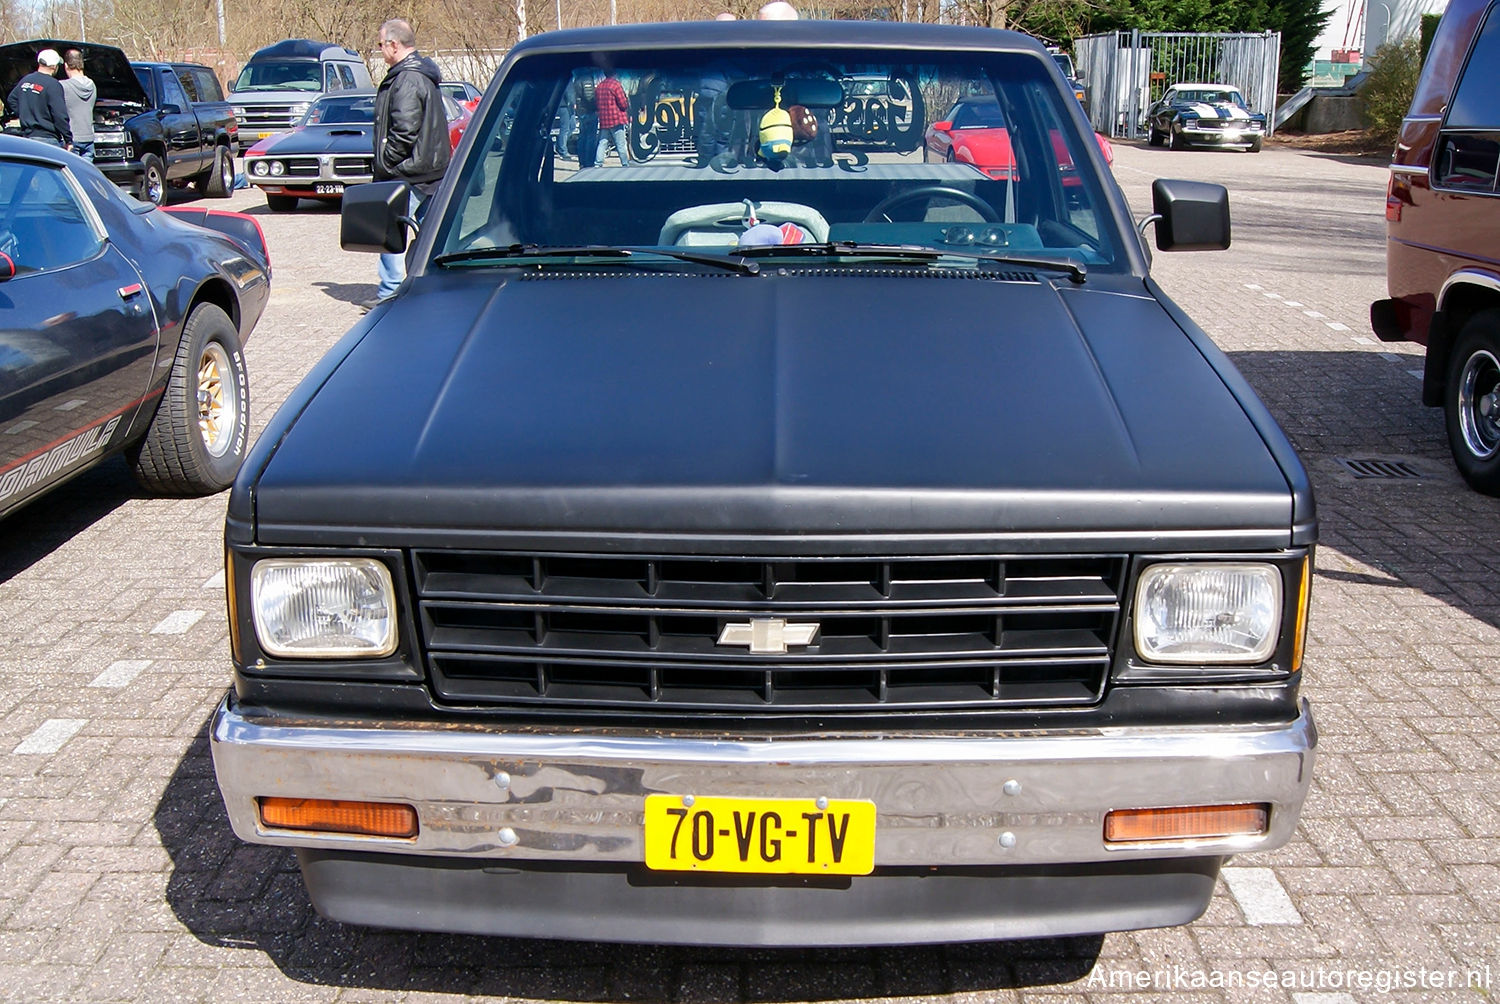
974,132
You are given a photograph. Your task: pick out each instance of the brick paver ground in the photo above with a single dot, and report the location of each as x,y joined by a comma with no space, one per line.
120,879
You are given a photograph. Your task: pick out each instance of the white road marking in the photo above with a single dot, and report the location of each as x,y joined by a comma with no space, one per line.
1291,303
1252,285
1270,295
1336,326
1261,896
1315,314
215,581
1392,357
121,673
1363,341
50,736
20,427
1323,999
1416,373
71,405
178,622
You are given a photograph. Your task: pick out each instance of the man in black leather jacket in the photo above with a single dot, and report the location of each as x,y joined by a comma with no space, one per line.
411,130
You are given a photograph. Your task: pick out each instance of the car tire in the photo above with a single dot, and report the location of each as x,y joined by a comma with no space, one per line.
1255,145
1154,138
198,437
218,181
281,203
1471,402
153,180
1177,140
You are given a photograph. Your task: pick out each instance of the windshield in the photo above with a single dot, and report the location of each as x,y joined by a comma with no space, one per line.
280,75
1064,63
1214,97
341,111
715,152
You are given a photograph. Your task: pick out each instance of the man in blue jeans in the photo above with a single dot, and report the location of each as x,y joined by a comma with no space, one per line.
411,132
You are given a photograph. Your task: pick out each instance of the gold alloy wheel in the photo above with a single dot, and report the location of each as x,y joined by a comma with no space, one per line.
218,406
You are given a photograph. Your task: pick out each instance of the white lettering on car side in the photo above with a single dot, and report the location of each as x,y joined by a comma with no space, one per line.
65,454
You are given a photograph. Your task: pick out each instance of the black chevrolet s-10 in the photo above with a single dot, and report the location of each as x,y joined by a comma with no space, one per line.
762,536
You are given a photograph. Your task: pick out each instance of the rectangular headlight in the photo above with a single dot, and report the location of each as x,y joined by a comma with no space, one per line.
1208,613
320,608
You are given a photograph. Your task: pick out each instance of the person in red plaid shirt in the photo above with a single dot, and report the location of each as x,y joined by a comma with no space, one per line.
614,116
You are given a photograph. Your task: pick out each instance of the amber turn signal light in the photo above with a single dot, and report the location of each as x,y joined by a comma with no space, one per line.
371,819
1186,822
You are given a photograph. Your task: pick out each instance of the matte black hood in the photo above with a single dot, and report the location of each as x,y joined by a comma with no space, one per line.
798,404
104,64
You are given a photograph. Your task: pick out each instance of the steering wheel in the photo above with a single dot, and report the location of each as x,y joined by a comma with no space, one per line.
880,214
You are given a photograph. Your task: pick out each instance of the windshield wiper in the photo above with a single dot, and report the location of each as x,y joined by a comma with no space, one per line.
594,251
1077,270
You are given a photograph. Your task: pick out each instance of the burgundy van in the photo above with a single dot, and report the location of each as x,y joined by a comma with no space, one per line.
1442,213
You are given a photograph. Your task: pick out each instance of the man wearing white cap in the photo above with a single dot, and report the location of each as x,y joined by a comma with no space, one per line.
39,102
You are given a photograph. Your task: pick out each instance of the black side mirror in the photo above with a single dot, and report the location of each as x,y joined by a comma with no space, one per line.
169,110
1190,215
374,217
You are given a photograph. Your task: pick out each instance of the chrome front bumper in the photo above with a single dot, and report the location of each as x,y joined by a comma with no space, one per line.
1224,137
1025,798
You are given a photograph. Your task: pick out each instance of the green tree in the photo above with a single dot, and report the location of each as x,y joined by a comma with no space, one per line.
1388,91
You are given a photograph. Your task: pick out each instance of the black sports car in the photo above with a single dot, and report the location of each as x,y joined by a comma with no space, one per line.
331,148
1205,115
121,328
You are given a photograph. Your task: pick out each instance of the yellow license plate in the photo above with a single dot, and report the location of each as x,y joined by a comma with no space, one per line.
262,135
779,836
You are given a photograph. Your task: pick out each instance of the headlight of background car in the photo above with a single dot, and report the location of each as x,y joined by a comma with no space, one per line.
300,109
260,168
323,608
239,111
1208,613
278,168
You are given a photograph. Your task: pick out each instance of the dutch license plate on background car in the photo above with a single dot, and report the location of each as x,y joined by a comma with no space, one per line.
783,836
329,189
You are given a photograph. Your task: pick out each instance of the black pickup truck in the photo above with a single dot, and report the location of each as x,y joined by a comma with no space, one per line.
199,134
154,123
756,545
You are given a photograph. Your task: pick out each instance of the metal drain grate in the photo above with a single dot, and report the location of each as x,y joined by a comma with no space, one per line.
1386,470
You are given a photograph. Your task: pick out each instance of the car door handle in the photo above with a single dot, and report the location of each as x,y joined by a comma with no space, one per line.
126,292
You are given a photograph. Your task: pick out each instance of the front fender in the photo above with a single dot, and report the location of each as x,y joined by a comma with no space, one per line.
145,130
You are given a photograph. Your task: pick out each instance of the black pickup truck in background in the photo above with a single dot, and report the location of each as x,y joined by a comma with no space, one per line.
199,134
155,124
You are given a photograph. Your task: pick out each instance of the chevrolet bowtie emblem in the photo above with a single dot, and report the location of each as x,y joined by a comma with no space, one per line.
768,635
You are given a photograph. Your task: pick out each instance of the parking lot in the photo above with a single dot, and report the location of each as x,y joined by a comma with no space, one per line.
120,878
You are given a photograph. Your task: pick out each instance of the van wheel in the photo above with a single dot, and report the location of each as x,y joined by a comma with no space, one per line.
218,181
197,439
1471,402
153,180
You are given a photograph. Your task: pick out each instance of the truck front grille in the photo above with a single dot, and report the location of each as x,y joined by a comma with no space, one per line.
268,118
644,632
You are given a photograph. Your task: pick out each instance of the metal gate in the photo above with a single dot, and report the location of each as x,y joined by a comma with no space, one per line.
1125,71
